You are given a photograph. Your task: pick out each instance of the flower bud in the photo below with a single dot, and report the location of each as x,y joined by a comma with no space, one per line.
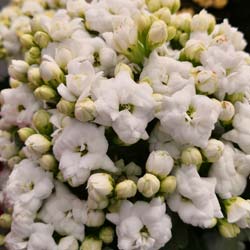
14,83
123,67
159,163
8,150
236,97
206,82
168,185
107,57
38,143
41,121
192,51
34,76
50,72
46,93
91,243
182,22
143,22
148,185
107,235
42,39
5,221
173,5
125,189
2,240
85,110
227,112
27,41
171,33
164,14
213,150
153,5
24,133
48,162
228,230
100,185
102,203
191,156
95,218
18,70
60,177
33,56
66,107
203,22
158,34
68,243
13,161
183,39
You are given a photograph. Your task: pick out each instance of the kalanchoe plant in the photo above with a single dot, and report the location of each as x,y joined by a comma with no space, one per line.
126,126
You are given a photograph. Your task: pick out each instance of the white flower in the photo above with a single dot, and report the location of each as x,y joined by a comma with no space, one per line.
231,34
142,226
60,27
31,8
19,105
238,211
18,70
124,105
41,237
80,149
189,118
195,200
231,172
166,75
29,185
240,133
81,76
159,163
65,212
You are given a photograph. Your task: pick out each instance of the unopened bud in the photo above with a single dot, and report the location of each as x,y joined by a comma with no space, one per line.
100,185
5,221
48,162
85,110
68,243
164,14
95,218
46,93
168,185
153,5
38,143
14,83
2,240
173,5
125,189
13,161
143,22
51,73
66,107
123,67
91,243
34,76
107,235
213,150
42,39
228,230
236,97
18,70
191,156
203,22
27,41
171,33
159,163
227,111
24,133
148,185
158,34
101,203
33,56
192,51
41,121
206,82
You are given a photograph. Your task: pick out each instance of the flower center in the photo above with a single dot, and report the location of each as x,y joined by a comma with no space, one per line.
128,106
190,113
83,149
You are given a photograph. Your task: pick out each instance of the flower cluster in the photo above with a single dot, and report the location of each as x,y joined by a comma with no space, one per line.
120,114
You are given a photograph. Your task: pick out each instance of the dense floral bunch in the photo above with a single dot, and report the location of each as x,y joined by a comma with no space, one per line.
121,115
